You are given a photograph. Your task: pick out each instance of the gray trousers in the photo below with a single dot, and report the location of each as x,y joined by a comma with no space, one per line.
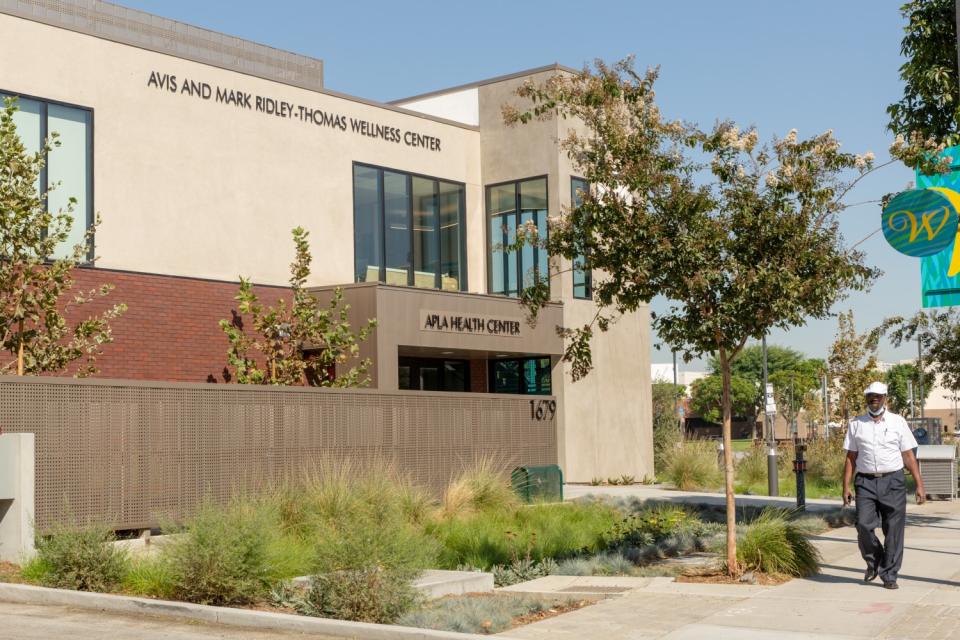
881,502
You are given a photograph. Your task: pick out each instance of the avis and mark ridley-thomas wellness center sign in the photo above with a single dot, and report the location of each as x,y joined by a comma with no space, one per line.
289,110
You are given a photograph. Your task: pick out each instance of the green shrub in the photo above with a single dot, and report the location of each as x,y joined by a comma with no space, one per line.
221,557
365,566
363,595
693,465
485,539
522,570
751,468
601,564
825,458
149,576
774,543
486,614
79,558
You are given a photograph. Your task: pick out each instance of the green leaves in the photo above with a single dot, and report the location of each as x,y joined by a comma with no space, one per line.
930,106
36,297
303,342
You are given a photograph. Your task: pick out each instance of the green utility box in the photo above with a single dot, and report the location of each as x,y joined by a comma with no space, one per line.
538,484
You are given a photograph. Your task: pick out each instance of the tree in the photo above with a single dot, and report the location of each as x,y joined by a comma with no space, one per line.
939,336
930,106
36,294
793,387
784,365
275,351
706,397
852,366
749,364
755,248
900,378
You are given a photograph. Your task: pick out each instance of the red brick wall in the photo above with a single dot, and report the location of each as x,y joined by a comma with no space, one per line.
170,329
478,376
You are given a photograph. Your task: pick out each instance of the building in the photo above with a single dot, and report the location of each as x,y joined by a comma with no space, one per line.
201,152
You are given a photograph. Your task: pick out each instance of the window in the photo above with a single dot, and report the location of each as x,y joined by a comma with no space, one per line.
69,166
582,276
531,376
510,206
408,229
433,374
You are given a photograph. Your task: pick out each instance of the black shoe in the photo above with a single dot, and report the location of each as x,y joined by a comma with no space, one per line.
890,585
870,575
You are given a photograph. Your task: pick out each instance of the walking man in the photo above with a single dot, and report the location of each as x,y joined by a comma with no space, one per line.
878,447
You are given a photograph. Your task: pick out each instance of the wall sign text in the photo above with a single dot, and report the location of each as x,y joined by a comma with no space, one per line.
480,325
277,108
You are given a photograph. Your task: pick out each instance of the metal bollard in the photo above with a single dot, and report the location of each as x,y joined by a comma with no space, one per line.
800,468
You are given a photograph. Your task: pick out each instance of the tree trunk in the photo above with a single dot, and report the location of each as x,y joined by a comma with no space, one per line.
20,350
726,375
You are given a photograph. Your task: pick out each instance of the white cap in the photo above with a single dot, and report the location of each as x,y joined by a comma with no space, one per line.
876,387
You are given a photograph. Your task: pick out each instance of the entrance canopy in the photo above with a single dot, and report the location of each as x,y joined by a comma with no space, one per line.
424,325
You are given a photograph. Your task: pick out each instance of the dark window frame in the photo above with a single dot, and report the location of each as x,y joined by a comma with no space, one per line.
522,388
44,178
409,175
516,213
416,362
587,284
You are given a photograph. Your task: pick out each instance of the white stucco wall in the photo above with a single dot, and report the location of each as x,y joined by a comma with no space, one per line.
188,186
460,106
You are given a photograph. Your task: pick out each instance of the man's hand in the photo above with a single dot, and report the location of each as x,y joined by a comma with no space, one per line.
847,496
921,494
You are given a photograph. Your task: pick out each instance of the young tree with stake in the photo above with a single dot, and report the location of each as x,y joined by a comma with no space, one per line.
754,248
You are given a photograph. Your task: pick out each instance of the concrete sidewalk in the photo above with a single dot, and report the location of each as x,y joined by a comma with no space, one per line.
832,606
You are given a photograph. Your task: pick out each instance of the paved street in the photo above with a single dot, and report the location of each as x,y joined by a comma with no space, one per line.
36,622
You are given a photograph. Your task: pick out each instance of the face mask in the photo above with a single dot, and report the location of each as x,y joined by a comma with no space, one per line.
878,412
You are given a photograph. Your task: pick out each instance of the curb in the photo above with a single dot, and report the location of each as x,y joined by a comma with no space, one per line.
28,594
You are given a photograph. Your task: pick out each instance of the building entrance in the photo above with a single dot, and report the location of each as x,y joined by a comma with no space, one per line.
433,374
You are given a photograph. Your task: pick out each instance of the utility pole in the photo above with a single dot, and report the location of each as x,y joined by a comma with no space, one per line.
826,402
920,366
913,407
826,408
773,484
676,399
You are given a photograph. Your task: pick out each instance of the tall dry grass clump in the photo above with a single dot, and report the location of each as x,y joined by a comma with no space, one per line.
825,458
751,468
693,465
482,486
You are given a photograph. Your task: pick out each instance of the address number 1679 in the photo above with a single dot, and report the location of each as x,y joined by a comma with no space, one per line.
543,409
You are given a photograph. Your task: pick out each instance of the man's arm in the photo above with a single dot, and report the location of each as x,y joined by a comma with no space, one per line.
849,464
910,462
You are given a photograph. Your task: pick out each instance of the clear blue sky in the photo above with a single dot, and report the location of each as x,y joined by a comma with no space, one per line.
812,65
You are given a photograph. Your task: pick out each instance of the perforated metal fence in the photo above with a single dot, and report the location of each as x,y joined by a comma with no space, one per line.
134,454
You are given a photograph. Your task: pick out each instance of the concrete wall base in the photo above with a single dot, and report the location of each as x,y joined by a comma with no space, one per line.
17,481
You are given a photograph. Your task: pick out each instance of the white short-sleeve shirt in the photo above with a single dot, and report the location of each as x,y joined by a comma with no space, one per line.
879,445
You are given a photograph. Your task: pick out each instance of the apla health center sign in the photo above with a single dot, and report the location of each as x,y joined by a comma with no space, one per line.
924,223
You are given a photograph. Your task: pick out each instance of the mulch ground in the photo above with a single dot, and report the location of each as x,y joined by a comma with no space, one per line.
9,572
719,577
557,610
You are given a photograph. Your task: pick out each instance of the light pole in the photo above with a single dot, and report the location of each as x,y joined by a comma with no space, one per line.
773,484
